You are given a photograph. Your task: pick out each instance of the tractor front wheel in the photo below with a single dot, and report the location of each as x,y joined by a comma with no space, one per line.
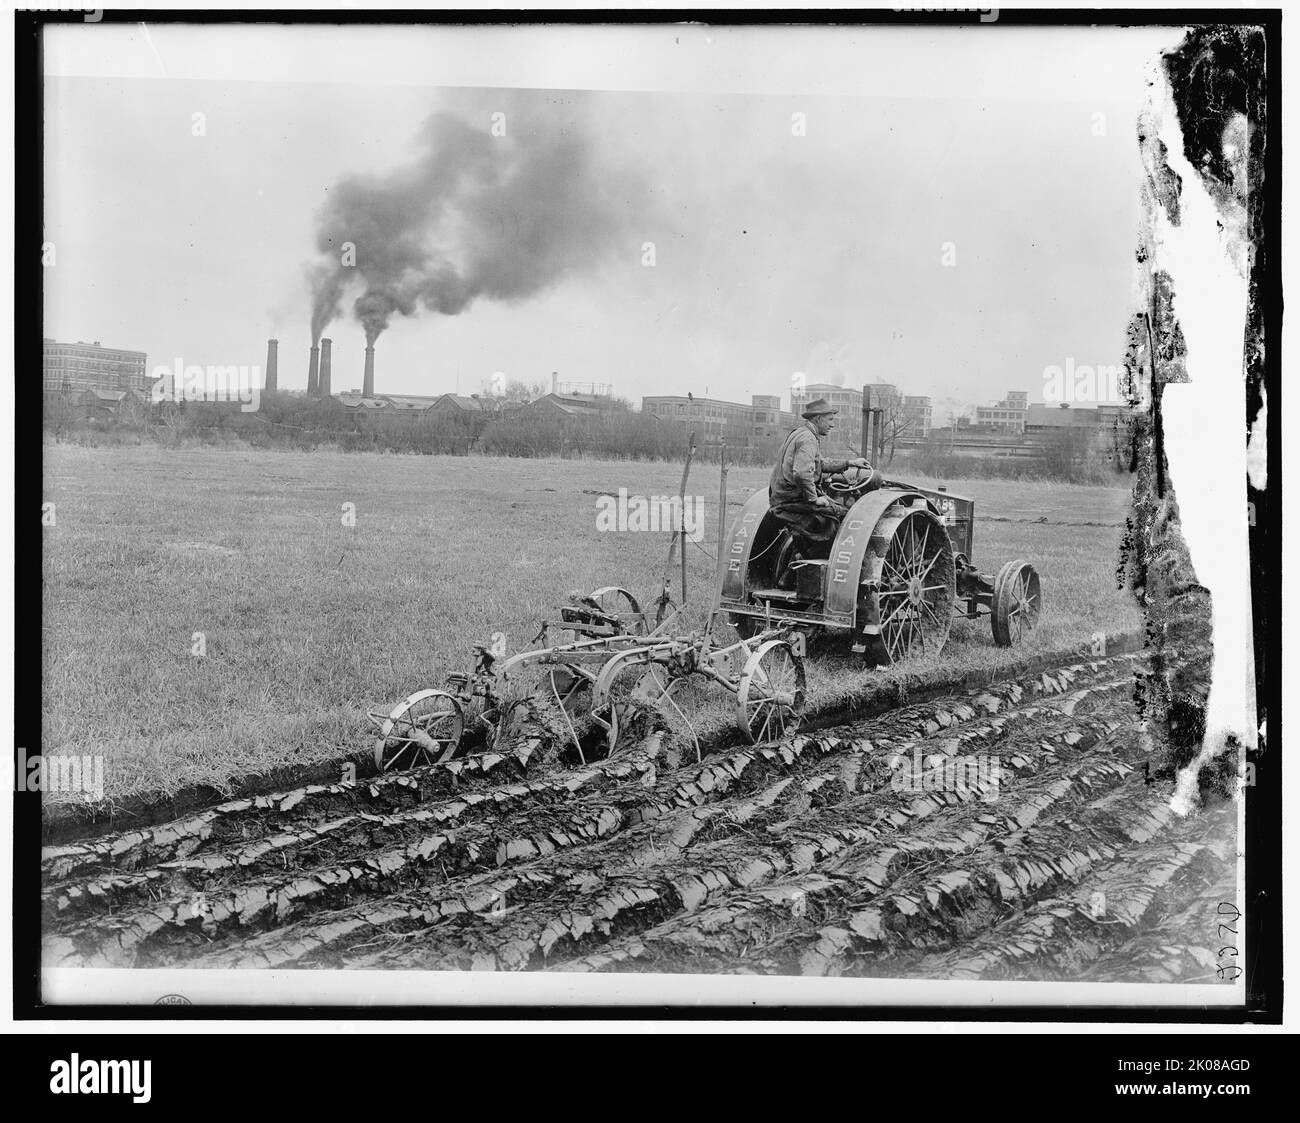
1017,602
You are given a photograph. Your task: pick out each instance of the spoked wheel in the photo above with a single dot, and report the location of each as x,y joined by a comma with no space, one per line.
771,694
909,586
626,685
425,728
619,603
1017,602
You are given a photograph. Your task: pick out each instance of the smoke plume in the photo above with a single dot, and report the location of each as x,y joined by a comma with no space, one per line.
474,215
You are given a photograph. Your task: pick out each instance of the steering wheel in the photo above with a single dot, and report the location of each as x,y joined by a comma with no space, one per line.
852,481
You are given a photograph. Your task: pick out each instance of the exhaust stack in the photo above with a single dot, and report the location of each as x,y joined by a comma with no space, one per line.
313,370
270,384
323,383
368,377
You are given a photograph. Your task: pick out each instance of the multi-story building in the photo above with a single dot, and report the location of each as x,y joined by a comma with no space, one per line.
768,420
740,425
884,395
914,412
1007,416
917,416
1043,418
848,401
712,419
71,368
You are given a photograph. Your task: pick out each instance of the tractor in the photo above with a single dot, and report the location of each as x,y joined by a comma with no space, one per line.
889,584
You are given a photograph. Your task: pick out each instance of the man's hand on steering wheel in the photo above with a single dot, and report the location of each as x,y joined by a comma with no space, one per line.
843,484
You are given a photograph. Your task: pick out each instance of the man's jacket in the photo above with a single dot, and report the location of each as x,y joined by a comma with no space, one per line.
799,467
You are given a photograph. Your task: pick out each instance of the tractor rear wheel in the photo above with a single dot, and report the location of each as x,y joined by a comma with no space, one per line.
908,586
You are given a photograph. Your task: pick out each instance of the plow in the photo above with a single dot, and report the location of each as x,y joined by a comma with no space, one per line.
887,588
615,661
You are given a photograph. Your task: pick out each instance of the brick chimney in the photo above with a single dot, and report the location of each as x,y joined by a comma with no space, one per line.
555,382
272,361
313,369
323,385
368,377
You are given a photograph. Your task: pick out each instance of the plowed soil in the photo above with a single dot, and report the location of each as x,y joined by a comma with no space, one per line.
803,857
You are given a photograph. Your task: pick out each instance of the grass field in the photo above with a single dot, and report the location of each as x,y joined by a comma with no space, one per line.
208,614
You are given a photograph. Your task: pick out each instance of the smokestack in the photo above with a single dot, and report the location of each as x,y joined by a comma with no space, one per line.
324,382
555,382
313,369
368,378
272,362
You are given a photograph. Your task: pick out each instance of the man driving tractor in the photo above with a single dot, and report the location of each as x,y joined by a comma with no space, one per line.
813,517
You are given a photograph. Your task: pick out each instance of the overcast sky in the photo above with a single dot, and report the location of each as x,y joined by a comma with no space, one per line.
774,252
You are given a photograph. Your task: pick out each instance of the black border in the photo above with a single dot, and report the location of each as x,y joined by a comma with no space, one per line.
1263,803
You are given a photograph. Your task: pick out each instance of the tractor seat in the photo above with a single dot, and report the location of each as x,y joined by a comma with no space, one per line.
792,550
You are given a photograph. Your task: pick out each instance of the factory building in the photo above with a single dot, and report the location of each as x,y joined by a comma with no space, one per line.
73,368
715,420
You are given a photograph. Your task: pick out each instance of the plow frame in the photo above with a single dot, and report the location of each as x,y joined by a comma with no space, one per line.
602,649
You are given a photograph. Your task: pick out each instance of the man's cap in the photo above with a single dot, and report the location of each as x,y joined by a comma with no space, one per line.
819,407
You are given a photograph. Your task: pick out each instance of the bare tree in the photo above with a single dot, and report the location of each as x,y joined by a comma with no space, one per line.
894,425
175,423
61,413
133,413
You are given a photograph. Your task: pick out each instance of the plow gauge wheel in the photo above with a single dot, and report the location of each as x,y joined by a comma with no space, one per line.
771,693
619,603
1017,602
424,728
620,686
